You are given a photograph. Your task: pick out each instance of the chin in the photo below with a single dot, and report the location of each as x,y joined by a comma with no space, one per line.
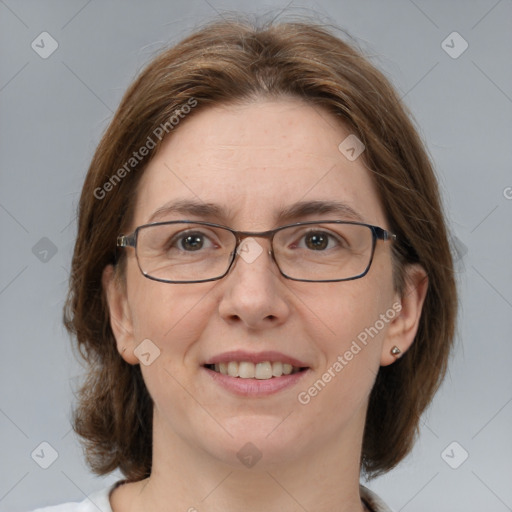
258,442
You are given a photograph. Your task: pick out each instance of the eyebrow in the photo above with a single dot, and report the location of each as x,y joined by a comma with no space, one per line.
288,214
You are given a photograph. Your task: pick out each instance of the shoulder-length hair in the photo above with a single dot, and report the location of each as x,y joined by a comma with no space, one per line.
237,61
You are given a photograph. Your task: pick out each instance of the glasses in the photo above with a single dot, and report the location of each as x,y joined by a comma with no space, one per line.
186,251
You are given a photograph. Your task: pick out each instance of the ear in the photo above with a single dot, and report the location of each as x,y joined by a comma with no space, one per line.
404,326
120,315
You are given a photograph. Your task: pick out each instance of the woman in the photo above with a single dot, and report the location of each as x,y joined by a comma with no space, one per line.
262,284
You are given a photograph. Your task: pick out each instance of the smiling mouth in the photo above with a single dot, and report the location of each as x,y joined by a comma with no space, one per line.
247,370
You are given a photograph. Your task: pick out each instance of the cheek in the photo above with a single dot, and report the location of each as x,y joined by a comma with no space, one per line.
171,316
339,313
347,323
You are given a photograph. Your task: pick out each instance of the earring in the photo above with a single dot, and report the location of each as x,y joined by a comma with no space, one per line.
124,348
395,351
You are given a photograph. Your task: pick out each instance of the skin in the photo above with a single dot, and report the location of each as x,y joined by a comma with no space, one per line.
243,157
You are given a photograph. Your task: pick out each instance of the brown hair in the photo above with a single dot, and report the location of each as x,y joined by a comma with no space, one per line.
236,60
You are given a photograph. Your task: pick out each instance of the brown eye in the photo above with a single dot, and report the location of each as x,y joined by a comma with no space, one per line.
317,240
192,242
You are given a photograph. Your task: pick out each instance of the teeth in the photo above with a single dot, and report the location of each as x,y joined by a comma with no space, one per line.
246,370
233,369
277,369
262,371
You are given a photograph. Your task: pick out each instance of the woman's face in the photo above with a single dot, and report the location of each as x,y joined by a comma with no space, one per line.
253,162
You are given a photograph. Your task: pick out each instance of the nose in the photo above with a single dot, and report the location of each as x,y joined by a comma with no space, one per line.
253,292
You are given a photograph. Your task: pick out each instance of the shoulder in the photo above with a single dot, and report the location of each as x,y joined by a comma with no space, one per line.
98,501
373,501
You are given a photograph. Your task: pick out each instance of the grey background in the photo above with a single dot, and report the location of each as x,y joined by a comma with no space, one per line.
52,114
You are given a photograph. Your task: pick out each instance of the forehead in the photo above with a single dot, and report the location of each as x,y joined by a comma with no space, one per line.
254,161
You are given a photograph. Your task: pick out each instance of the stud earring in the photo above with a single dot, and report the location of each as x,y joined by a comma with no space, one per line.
395,351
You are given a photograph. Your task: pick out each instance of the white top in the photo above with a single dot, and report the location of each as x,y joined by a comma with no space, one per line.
99,501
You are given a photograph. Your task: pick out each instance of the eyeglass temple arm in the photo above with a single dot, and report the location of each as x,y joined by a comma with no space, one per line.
382,234
126,240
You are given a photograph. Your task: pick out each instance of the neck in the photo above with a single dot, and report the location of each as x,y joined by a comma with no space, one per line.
322,478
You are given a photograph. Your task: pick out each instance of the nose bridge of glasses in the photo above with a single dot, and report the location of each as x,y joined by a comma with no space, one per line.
247,245
242,235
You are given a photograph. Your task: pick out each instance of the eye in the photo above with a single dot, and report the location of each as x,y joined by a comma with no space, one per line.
191,241
320,240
